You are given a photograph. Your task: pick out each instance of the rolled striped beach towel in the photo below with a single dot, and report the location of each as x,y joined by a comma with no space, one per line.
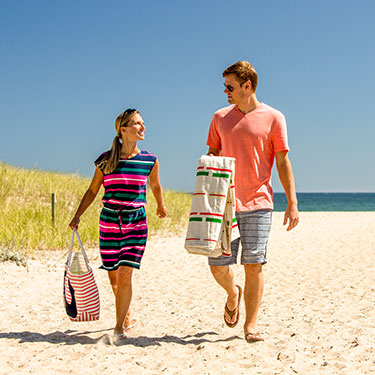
81,294
212,222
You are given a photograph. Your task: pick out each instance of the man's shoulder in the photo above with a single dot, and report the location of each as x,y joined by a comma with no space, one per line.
273,111
224,111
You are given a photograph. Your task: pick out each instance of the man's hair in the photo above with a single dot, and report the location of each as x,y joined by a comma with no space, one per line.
244,71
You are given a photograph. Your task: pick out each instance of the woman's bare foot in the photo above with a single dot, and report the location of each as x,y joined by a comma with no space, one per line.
119,334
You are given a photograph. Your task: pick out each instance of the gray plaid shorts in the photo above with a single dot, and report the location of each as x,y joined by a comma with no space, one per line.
255,227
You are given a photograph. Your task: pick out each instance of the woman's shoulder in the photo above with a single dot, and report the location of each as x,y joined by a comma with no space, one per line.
101,157
147,156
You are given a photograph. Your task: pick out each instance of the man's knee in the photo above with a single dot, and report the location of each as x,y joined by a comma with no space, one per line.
219,271
252,270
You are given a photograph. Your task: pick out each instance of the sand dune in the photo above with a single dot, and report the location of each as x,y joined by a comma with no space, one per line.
317,315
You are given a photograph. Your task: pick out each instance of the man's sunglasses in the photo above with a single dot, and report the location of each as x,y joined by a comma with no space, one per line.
229,87
127,112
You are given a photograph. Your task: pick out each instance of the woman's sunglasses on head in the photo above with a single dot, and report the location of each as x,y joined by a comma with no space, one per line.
127,112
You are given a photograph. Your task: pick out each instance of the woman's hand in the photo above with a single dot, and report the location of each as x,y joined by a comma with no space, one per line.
161,211
74,223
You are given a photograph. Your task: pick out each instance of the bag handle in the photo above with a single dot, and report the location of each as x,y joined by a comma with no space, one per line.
69,261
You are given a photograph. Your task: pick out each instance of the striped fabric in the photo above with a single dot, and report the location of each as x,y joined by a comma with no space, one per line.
125,187
122,237
212,223
81,294
85,295
122,224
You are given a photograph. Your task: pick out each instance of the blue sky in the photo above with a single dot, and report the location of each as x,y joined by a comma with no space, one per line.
67,69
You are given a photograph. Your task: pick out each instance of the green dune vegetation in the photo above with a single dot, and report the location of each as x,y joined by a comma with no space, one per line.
26,211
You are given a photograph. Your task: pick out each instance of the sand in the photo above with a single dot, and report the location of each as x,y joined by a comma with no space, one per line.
317,314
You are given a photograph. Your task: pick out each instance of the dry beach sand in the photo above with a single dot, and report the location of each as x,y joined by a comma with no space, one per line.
317,314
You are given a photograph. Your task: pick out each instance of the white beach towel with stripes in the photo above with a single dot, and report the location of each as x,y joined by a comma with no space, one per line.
81,294
212,222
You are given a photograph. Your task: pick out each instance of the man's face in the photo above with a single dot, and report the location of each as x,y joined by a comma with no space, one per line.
235,92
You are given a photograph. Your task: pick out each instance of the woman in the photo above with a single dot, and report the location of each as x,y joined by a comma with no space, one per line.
123,171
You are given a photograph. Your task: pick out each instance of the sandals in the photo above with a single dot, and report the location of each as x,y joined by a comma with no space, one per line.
231,313
133,323
250,336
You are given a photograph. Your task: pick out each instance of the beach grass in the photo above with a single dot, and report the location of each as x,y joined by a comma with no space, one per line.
26,210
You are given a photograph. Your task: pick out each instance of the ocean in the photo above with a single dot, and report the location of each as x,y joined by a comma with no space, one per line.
329,201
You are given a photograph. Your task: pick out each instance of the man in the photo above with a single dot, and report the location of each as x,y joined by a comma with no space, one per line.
255,134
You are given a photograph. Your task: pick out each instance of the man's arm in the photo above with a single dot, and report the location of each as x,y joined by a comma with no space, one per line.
284,168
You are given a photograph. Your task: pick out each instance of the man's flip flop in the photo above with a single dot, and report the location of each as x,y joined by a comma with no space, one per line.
253,337
236,310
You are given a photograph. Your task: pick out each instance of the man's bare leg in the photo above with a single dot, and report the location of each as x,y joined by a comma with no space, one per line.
254,285
225,278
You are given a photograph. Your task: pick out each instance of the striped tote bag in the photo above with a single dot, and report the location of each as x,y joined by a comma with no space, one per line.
81,294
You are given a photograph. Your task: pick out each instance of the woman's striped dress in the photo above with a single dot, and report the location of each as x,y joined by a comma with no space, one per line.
122,224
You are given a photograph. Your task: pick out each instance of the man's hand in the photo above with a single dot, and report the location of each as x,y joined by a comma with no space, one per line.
213,151
291,215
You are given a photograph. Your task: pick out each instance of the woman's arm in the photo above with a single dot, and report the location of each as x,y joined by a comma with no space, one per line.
88,197
157,191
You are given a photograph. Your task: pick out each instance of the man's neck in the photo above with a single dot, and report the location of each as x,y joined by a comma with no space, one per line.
249,104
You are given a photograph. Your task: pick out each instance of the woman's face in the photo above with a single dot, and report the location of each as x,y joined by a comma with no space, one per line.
135,129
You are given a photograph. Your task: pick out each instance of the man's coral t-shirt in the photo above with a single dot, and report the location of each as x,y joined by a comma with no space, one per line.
253,140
